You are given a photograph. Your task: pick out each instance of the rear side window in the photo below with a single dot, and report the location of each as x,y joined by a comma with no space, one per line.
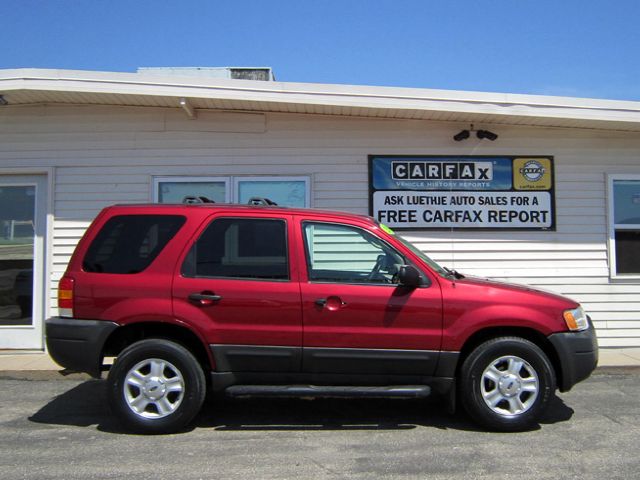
240,248
129,243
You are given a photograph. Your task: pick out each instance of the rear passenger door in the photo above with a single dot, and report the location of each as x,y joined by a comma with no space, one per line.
237,285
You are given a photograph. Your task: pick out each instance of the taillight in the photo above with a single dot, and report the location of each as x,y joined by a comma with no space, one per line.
65,297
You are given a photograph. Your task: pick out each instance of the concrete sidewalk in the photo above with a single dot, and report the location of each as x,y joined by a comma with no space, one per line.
11,360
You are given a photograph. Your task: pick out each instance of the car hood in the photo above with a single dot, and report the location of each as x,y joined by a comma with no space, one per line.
479,281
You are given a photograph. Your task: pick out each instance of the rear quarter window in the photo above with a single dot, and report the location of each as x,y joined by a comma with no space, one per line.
129,243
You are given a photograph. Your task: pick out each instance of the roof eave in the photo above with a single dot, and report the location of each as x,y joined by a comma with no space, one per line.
385,102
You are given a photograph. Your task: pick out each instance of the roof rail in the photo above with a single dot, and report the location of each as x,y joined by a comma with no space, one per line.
261,201
191,199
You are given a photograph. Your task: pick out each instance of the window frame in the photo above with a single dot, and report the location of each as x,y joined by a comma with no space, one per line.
231,183
181,220
190,179
307,263
273,178
613,227
245,279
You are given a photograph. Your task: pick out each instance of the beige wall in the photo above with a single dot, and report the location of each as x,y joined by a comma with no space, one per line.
106,155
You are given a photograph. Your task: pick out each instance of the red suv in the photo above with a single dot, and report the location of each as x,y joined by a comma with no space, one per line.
263,300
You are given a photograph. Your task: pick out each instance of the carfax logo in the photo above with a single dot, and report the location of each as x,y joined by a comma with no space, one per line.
532,174
416,170
532,171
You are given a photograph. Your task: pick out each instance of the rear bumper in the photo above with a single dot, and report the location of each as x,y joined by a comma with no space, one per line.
578,355
77,344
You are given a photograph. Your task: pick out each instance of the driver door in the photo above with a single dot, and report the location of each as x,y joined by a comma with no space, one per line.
356,318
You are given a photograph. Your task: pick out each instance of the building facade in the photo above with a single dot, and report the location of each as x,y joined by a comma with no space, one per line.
74,142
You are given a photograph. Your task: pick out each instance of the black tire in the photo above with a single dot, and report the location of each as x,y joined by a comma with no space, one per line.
515,405
173,397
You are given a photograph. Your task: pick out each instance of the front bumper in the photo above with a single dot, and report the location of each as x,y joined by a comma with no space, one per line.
578,355
77,344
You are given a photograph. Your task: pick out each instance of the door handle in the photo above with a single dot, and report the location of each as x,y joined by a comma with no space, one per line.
331,303
204,298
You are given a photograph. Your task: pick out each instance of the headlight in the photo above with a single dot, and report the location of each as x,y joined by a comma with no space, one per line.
576,319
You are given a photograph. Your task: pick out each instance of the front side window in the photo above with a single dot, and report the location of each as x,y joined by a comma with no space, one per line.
245,248
624,230
345,254
129,243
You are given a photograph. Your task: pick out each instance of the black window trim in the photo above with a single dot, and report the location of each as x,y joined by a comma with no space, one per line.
426,279
158,254
209,221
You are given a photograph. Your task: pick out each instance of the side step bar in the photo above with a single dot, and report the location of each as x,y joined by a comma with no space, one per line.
402,391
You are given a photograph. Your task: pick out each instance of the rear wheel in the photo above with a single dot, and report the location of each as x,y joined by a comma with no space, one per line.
156,386
506,383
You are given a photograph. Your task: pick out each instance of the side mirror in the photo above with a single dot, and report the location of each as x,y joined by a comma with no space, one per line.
409,276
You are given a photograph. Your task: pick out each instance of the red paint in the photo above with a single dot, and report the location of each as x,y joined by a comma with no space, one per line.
442,315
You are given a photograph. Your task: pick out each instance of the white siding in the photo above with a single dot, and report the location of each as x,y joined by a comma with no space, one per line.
106,155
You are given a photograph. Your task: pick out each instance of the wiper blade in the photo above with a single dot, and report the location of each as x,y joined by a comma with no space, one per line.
455,274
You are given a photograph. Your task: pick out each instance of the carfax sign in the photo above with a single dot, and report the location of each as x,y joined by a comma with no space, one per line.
505,192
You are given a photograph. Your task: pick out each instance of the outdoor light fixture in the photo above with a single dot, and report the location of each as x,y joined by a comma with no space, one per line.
188,108
3,101
464,134
486,134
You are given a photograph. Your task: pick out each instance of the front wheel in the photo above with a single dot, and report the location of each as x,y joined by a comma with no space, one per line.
506,383
156,386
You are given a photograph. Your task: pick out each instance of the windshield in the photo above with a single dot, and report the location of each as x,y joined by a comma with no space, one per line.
419,253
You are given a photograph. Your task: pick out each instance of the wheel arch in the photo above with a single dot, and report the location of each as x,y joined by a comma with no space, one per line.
530,334
124,336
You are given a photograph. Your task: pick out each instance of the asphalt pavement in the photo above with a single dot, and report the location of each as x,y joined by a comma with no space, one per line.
55,427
